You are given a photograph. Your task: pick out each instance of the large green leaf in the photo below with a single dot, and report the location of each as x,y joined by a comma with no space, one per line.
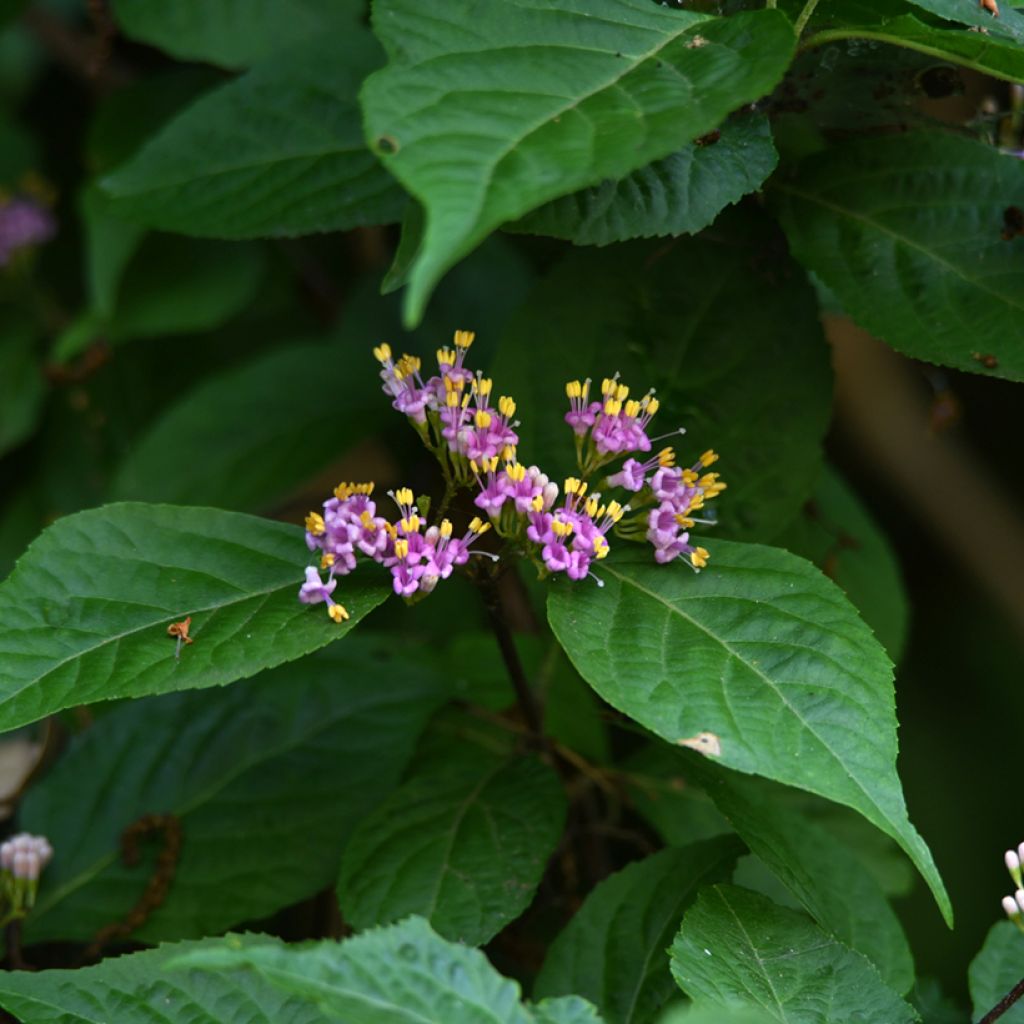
996,969
728,332
268,779
209,448
680,194
463,845
22,387
278,151
820,870
613,950
84,615
1010,22
401,974
137,989
234,34
738,949
907,231
836,532
484,113
996,55
760,661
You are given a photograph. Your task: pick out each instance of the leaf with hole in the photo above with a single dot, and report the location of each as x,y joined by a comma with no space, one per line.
760,661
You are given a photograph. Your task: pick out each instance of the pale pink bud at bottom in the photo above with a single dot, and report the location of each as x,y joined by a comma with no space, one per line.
1010,906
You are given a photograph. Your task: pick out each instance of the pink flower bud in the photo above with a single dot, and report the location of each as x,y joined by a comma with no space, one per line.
1010,906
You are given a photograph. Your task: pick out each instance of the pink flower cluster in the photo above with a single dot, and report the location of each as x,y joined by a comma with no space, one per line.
22,859
418,557
475,441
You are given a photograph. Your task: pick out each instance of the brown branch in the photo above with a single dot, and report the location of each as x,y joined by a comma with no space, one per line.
1004,1004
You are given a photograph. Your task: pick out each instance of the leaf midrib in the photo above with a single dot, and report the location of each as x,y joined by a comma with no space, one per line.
200,798
758,672
900,239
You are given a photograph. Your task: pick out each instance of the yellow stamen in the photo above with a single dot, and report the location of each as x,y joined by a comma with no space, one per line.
483,385
404,496
612,407
633,408
601,546
537,504
401,547
463,339
689,477
516,472
411,524
666,457
591,506
573,389
506,406
621,393
684,522
315,523
445,356
382,353
367,520
338,613
652,406
452,400
482,418
327,561
508,453
614,511
560,528
699,557
708,457
446,528
478,526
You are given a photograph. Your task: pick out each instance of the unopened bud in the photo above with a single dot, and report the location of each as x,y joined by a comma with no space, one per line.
1011,908
1012,859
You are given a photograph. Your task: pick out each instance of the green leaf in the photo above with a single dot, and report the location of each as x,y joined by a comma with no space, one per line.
402,974
22,386
760,661
234,35
907,231
268,778
278,152
728,332
1010,22
84,615
136,989
680,194
996,969
992,55
208,448
612,951
691,1014
821,871
586,91
738,949
172,285
463,845
110,244
837,533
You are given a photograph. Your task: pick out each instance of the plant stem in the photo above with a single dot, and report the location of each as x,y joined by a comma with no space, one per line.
1004,1004
805,16
506,644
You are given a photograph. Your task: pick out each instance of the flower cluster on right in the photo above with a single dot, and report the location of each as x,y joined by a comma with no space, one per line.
1014,905
474,438
22,859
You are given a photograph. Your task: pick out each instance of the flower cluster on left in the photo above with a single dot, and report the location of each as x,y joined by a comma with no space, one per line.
474,438
22,859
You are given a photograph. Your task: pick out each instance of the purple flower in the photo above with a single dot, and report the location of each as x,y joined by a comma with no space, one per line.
582,412
314,590
23,223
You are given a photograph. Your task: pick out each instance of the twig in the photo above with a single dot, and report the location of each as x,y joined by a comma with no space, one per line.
13,936
1004,1004
506,644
